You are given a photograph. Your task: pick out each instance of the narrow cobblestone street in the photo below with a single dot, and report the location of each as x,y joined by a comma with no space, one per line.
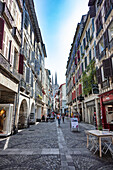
45,146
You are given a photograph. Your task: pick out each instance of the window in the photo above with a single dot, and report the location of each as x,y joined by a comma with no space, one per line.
99,24
89,56
93,28
84,43
85,62
110,32
101,45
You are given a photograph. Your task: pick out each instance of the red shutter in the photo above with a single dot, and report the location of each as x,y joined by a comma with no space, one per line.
74,80
74,94
1,32
78,54
75,60
80,89
21,62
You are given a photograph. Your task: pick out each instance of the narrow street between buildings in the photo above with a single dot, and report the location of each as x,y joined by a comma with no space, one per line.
46,146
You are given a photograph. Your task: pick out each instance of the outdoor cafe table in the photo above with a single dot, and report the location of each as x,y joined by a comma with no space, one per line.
99,134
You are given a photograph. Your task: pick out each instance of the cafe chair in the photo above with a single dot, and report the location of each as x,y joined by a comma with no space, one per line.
107,143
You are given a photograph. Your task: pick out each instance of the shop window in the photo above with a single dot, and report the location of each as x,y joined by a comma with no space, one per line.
2,120
109,113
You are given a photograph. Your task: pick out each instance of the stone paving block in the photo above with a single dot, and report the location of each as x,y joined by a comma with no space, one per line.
77,152
64,168
64,163
63,158
71,167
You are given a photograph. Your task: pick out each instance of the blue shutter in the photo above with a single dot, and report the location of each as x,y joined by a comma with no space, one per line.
27,74
85,62
89,56
93,28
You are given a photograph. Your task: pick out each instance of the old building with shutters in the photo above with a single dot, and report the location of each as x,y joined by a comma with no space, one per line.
82,75
22,66
10,43
103,12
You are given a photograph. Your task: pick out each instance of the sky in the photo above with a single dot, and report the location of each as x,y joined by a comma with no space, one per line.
58,21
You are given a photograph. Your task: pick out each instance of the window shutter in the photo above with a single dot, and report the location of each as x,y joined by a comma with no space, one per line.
31,79
75,60
107,66
89,55
82,67
9,55
106,41
80,89
93,28
27,74
85,62
99,76
92,11
1,32
21,63
97,50
33,56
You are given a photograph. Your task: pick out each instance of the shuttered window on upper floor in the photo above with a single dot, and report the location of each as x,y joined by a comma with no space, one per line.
107,67
99,75
27,74
1,32
85,62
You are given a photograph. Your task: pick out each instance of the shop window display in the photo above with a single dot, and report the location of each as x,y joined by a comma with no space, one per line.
2,119
109,115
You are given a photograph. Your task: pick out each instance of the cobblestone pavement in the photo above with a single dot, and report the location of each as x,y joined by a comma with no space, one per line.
48,147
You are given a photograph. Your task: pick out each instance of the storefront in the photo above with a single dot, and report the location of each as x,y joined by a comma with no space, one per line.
6,111
106,102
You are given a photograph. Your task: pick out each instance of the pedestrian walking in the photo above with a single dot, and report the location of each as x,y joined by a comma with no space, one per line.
59,119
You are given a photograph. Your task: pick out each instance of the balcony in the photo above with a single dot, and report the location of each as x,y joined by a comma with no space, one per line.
20,4
7,15
4,63
105,84
22,85
27,88
17,35
110,47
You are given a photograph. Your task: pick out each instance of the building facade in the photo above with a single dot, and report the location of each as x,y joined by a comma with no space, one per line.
103,12
62,103
89,73
22,67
